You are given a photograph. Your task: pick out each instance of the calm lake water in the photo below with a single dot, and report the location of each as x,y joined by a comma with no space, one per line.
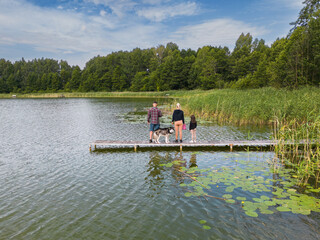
52,187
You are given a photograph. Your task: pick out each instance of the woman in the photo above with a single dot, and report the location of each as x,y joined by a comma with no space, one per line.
178,121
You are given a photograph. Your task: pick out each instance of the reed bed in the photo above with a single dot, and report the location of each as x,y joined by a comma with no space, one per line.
299,147
255,106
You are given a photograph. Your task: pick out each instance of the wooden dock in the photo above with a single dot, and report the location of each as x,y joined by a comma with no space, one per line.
214,145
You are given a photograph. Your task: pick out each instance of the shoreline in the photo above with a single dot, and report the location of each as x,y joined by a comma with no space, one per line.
84,95
263,106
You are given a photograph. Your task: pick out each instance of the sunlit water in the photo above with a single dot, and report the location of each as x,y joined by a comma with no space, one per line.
52,187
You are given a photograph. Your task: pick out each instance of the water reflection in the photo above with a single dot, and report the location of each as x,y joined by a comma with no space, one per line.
53,188
156,173
193,161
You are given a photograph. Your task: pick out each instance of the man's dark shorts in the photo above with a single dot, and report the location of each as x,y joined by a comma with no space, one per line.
154,127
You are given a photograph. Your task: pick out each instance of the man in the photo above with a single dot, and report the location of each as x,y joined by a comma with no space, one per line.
153,119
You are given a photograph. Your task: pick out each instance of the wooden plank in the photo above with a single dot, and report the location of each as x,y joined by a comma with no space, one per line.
103,144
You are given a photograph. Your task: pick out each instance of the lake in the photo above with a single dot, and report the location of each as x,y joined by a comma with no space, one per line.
52,187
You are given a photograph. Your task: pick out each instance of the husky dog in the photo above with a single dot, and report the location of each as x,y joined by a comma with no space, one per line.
162,132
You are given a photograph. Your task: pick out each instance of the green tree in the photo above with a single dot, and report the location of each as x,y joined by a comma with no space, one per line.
306,13
75,79
138,82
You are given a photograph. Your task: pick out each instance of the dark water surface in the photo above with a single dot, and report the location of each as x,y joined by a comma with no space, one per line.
52,187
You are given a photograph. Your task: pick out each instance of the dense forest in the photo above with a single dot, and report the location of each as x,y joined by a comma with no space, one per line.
289,62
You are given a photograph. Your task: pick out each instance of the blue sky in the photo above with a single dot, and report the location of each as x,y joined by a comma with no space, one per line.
77,30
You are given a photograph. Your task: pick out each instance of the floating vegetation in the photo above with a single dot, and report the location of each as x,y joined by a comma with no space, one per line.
273,188
138,116
134,116
206,227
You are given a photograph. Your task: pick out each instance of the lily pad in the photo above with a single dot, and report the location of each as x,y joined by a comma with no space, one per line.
202,221
259,200
264,198
230,189
230,201
227,196
283,209
188,194
291,190
251,213
315,190
301,211
266,211
241,198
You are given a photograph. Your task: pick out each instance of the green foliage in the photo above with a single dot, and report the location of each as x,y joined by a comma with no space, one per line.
303,154
306,13
290,62
255,106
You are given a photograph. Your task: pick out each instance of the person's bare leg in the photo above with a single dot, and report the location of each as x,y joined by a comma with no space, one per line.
180,131
151,133
195,135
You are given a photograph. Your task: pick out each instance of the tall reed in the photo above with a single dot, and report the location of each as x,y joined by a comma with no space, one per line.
254,106
298,146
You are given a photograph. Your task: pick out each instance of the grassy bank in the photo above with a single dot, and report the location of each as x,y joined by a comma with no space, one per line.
254,106
87,95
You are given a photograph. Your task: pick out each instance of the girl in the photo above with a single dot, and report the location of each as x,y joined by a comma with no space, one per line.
193,128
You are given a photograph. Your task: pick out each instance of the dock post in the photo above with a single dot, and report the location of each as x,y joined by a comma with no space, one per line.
95,147
231,147
180,147
135,148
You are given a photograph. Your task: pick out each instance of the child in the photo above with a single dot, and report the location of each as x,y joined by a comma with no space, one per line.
193,128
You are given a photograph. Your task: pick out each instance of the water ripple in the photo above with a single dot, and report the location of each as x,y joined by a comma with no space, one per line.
53,188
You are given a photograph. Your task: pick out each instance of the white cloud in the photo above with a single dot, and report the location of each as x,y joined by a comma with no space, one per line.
118,7
155,2
62,32
215,32
52,29
103,13
160,13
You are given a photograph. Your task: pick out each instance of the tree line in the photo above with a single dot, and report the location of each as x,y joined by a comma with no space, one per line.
291,61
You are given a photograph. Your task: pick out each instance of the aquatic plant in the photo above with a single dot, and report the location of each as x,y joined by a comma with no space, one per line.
254,106
299,147
274,188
